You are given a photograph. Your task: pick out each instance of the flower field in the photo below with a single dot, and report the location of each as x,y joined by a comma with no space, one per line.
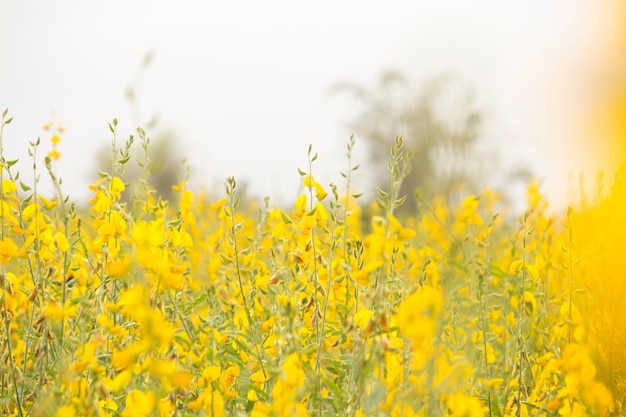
205,306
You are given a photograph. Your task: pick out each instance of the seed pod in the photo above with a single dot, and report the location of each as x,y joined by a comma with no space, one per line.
34,293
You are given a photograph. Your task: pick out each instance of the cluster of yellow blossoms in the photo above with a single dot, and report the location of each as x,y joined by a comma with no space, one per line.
144,307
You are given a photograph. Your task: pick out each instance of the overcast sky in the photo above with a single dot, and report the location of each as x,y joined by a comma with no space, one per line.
245,85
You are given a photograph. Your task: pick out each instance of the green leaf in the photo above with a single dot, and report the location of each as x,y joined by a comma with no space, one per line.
225,259
102,174
381,193
333,387
374,398
175,223
309,349
335,365
195,303
286,219
246,251
182,341
400,201
124,160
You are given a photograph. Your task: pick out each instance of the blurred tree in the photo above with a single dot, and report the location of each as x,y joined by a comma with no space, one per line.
440,125
162,161
164,164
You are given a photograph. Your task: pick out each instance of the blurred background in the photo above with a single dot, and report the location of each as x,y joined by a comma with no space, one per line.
490,93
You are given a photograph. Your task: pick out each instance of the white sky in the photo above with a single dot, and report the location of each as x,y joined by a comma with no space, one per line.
245,84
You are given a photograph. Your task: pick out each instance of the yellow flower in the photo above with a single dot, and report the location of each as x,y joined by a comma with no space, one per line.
211,401
418,313
321,216
252,396
363,274
181,379
8,249
186,201
530,302
462,405
162,367
219,204
8,187
119,267
362,318
106,406
300,205
173,280
179,186
491,354
403,233
116,187
139,404
54,154
133,299
65,411
518,265
61,242
468,213
309,182
148,235
320,193
101,203
119,382
53,311
258,377
292,371
230,374
211,373
123,358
